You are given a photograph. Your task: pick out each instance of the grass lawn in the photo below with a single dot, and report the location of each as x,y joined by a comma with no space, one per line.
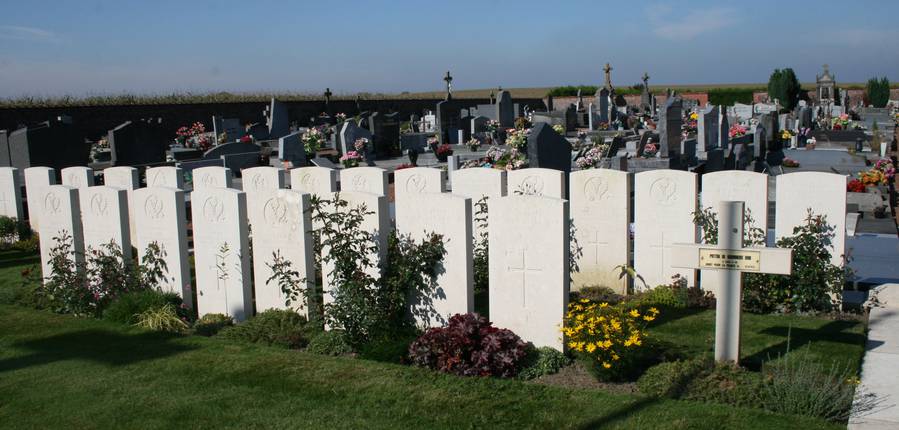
62,371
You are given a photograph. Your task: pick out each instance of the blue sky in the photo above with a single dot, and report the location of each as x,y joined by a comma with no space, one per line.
95,47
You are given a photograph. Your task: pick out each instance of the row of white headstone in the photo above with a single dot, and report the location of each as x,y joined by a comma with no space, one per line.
529,227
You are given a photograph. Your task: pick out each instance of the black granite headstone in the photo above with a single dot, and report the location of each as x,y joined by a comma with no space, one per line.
547,149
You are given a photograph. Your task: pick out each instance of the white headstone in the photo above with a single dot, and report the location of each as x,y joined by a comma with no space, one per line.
824,194
78,176
104,218
365,179
476,184
529,266
211,177
165,176
738,185
60,215
600,211
318,181
377,223
221,252
417,180
280,221
37,180
417,215
11,193
128,179
537,182
160,216
258,181
664,203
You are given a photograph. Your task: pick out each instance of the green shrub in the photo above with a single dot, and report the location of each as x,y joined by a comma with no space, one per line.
12,231
30,245
389,348
814,280
725,383
286,329
481,249
211,324
126,307
331,342
877,91
543,361
797,386
599,294
729,96
784,86
671,379
163,318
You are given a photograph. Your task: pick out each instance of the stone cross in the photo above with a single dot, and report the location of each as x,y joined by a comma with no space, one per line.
646,80
608,70
730,257
449,85
327,95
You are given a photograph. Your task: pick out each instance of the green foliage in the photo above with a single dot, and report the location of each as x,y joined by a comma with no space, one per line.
814,280
877,91
363,307
211,324
288,279
707,221
522,123
676,295
13,231
481,249
286,329
729,96
163,318
331,342
599,294
798,386
125,308
672,378
543,361
64,290
784,86
571,90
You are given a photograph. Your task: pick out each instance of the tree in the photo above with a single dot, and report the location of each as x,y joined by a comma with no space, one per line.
784,87
877,91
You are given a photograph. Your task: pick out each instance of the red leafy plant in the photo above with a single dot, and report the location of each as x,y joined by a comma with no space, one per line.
470,346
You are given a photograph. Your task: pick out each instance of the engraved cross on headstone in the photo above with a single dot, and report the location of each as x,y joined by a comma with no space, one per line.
524,269
730,257
596,244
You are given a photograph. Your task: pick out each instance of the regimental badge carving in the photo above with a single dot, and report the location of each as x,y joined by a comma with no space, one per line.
76,180
596,189
153,207
158,179
664,191
309,182
416,183
275,212
360,183
531,186
258,182
214,210
52,203
208,180
99,205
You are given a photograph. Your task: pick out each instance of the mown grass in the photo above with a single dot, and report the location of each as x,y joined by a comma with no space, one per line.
59,371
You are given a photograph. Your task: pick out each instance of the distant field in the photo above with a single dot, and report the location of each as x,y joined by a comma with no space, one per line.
238,97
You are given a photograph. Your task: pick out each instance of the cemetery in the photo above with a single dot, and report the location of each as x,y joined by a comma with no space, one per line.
593,256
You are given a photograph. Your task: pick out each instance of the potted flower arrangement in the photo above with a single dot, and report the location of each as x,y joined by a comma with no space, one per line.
517,138
312,141
473,144
443,152
736,130
193,137
841,122
690,124
603,125
350,159
499,158
592,158
855,186
522,123
246,139
650,150
559,128
340,116
786,135
361,145
881,173
100,150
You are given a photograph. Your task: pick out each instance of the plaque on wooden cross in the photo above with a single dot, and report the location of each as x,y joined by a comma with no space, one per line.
728,260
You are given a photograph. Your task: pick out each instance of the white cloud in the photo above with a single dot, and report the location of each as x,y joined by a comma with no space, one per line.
15,32
689,25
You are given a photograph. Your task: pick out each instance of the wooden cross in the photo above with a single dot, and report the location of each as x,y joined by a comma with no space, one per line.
524,270
731,259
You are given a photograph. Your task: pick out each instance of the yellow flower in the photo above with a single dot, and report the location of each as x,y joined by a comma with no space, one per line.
634,313
585,301
606,365
615,357
591,347
603,305
648,318
654,310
